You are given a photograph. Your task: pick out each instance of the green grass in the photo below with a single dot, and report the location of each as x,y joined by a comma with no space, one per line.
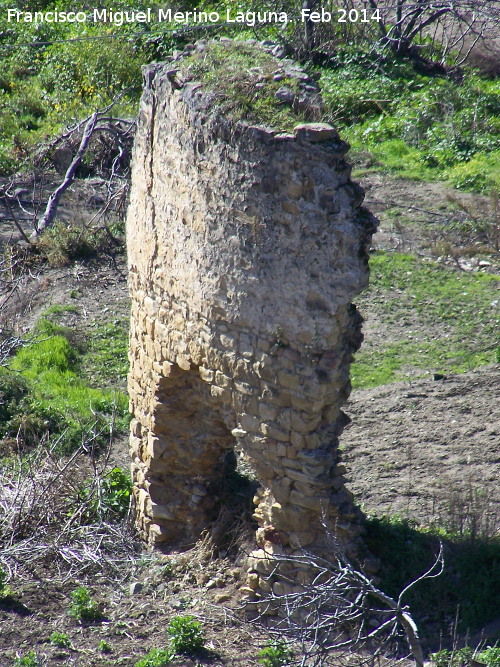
461,328
106,356
47,391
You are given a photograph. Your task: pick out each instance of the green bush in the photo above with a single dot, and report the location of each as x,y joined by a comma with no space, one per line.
29,660
275,654
186,635
83,607
157,657
114,500
450,131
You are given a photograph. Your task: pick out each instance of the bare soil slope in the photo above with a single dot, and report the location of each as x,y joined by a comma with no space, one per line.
427,449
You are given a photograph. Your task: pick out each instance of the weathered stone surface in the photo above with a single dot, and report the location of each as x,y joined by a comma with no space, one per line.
246,248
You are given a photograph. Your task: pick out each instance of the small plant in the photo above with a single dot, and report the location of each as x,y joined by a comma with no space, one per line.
4,589
186,635
275,654
157,657
60,639
104,646
29,660
490,657
83,607
116,490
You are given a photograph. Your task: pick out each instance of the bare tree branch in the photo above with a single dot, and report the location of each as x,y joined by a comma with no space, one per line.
339,607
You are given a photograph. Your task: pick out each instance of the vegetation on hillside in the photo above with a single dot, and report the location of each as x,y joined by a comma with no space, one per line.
415,125
436,319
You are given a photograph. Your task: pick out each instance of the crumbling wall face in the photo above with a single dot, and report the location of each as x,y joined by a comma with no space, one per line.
246,248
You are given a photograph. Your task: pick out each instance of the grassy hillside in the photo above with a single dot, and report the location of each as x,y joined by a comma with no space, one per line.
413,125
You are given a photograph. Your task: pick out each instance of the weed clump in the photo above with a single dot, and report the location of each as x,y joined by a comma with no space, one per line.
157,657
186,635
113,501
275,654
83,607
60,639
29,660
61,244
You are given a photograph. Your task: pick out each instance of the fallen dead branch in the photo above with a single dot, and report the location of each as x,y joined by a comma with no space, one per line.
340,610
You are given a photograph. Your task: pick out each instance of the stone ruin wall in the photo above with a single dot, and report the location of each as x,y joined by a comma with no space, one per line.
246,248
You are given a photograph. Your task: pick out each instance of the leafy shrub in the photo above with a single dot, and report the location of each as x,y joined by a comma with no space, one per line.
29,660
186,635
456,658
489,656
60,639
157,657
275,654
114,500
116,490
450,131
83,607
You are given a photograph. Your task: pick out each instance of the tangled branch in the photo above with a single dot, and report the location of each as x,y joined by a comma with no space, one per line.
340,609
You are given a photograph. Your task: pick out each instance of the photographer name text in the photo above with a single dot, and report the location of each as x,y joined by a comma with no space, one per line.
249,18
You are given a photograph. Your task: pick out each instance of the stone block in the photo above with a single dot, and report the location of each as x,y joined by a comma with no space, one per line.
222,380
303,423
249,423
275,433
244,388
288,380
206,374
315,503
268,412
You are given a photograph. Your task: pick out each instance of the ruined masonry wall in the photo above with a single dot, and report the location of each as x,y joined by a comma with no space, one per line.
246,249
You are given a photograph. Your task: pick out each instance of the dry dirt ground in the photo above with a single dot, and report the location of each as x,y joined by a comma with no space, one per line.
418,449
427,448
